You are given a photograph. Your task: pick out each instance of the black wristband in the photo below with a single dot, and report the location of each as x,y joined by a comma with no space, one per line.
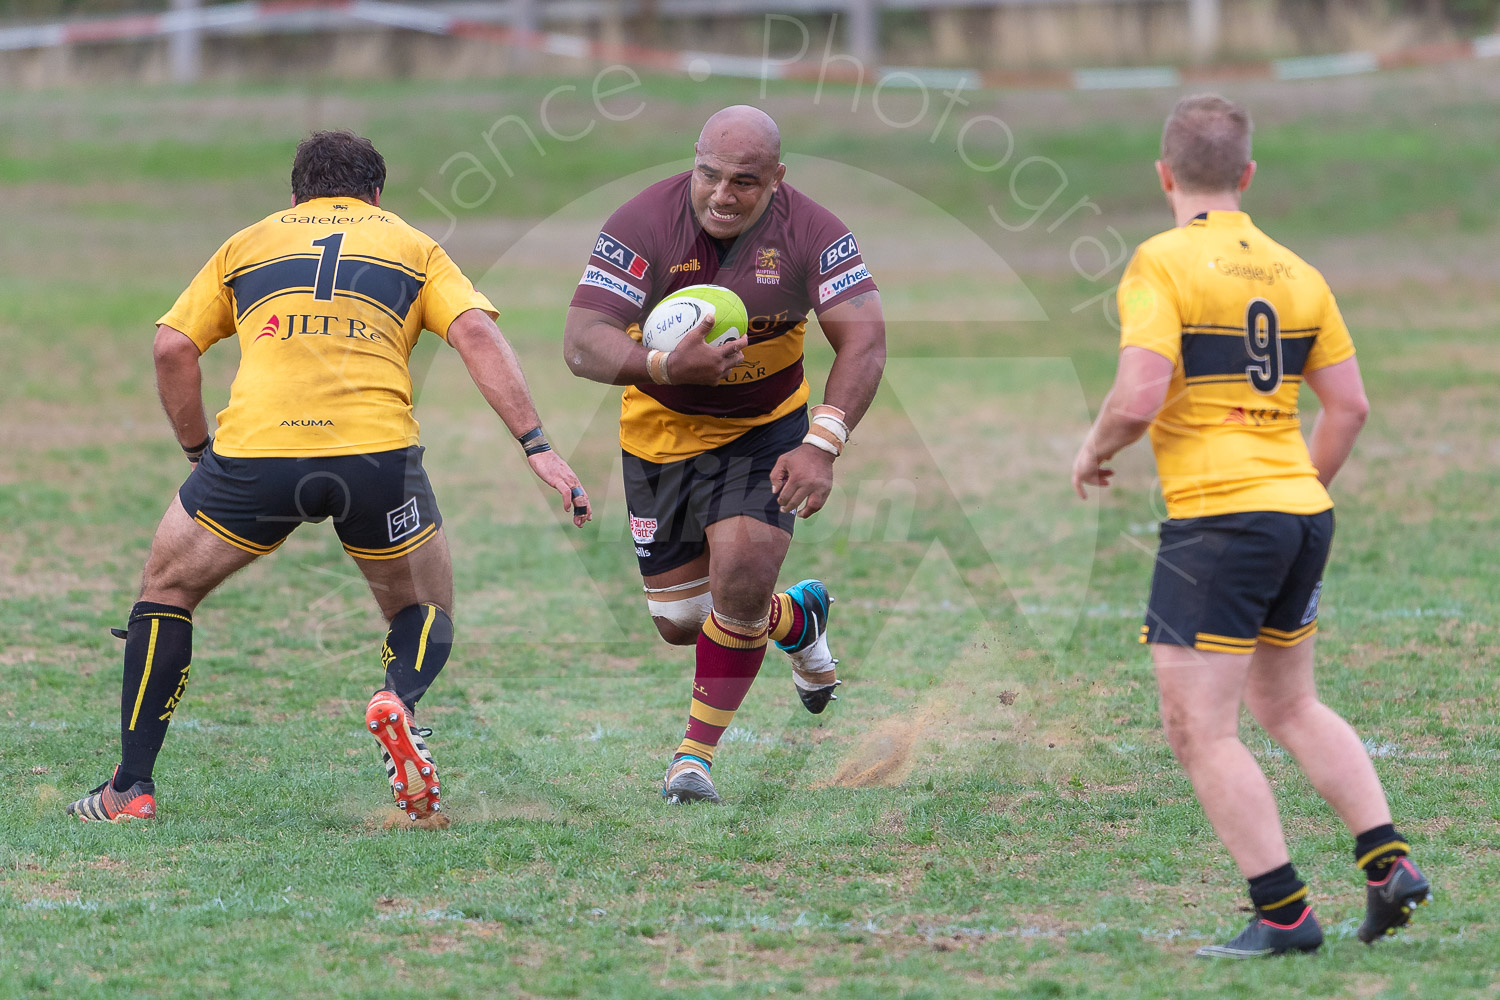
198,448
534,441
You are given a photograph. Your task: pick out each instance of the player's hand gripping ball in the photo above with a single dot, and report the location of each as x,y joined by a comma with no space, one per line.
677,314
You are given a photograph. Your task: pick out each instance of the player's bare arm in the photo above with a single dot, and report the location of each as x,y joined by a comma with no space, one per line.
803,477
179,383
497,372
1341,391
596,347
1139,391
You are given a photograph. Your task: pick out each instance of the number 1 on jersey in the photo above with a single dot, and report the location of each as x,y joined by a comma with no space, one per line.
328,266
1263,344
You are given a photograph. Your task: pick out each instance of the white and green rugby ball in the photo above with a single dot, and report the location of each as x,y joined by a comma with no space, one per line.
679,312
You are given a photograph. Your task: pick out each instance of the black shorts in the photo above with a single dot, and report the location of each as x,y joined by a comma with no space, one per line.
1224,583
670,505
381,504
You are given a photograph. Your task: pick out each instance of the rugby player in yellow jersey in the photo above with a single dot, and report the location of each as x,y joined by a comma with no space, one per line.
1220,327
719,454
327,300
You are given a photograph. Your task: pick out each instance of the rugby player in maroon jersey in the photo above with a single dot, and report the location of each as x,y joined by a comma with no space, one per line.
720,453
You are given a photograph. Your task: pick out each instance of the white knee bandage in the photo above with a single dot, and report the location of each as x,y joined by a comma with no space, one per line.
687,613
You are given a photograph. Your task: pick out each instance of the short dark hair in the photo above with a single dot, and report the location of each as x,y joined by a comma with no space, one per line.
1206,142
337,164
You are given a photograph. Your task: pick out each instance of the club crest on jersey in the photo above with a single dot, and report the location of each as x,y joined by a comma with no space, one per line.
767,266
610,249
642,529
837,252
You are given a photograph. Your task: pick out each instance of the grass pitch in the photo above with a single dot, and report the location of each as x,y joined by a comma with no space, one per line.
989,809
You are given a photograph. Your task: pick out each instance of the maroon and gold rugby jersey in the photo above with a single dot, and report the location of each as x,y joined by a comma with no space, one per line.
796,258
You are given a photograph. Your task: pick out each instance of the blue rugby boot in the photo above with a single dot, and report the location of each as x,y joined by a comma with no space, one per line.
812,664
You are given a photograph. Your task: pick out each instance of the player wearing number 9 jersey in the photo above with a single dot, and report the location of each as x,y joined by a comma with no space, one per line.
1242,319
1220,327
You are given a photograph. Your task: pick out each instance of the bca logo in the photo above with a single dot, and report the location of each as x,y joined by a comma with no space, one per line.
642,529
621,256
838,251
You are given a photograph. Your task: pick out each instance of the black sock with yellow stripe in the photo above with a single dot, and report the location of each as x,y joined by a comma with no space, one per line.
158,656
1279,895
416,647
1377,849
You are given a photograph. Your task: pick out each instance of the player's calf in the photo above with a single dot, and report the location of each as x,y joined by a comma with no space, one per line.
158,658
729,656
415,651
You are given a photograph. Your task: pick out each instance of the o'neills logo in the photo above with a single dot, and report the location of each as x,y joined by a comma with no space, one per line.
642,529
271,329
691,265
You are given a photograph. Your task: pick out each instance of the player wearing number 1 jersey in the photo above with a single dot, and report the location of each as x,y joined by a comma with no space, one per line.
1220,328
326,300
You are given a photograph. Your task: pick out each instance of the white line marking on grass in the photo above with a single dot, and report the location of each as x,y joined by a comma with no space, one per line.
60,904
432,916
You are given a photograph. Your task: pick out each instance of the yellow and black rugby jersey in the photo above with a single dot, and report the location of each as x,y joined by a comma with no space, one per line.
1243,318
328,299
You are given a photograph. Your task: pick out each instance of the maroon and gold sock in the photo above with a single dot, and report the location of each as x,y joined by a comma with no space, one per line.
786,618
729,656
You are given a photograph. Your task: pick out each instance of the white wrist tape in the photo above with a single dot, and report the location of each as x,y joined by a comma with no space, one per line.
834,424
823,443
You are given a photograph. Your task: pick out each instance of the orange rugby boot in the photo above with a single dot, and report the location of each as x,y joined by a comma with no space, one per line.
105,805
408,762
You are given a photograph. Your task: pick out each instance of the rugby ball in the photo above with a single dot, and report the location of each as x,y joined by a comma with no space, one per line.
679,312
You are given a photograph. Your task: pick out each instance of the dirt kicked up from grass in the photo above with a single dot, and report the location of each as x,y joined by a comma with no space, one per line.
988,810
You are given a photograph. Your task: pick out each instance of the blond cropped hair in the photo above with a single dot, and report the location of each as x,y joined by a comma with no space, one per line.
1206,142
